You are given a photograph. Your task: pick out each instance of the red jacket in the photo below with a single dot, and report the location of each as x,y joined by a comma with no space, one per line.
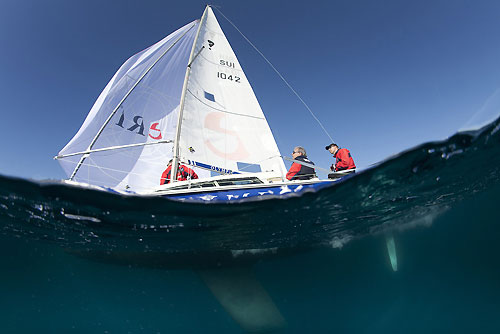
301,172
183,173
344,160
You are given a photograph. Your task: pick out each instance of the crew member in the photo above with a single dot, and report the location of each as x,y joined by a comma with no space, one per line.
298,171
183,173
343,158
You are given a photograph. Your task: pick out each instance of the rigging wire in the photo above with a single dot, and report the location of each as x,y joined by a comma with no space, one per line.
278,73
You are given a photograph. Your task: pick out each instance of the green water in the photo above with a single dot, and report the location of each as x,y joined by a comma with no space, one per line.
133,265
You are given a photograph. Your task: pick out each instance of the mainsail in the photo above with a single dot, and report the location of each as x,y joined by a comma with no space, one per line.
223,124
128,137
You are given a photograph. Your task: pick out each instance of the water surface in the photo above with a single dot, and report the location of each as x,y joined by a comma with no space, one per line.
83,261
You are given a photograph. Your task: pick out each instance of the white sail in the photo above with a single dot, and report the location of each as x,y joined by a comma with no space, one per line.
142,100
222,122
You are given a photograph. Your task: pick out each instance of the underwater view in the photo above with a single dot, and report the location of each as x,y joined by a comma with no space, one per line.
409,245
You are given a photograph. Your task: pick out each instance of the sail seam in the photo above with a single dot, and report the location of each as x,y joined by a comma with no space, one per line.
217,64
224,111
125,97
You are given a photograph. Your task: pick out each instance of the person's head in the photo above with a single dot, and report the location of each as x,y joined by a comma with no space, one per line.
332,148
170,162
298,151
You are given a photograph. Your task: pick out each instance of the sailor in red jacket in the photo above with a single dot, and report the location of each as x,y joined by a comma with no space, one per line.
183,173
343,158
298,171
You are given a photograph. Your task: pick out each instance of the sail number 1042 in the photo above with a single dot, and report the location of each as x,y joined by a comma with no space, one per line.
224,76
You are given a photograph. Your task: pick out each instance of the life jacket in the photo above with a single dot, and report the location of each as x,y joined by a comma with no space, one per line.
344,160
301,172
183,173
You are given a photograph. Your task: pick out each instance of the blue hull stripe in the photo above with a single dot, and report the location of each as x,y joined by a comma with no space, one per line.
282,191
212,168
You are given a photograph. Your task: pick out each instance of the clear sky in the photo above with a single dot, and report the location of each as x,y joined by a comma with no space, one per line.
382,76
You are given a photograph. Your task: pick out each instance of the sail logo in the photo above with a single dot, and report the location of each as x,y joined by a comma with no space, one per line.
215,121
138,127
157,131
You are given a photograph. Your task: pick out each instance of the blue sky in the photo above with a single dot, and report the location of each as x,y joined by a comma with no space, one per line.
381,76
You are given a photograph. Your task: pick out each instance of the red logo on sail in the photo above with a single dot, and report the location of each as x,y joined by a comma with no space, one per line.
213,122
154,128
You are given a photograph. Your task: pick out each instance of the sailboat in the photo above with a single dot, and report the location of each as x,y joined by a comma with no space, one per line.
185,99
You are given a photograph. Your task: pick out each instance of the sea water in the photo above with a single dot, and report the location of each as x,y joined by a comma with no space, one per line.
409,246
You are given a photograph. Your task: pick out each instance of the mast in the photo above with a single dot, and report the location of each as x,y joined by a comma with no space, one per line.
192,57
89,149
